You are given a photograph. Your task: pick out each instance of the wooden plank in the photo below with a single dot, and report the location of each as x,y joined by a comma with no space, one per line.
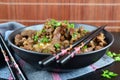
26,12
92,1
116,13
3,11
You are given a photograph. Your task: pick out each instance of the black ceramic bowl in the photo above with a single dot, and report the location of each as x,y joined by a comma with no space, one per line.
80,60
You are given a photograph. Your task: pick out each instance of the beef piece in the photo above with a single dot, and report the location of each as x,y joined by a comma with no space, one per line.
56,35
91,44
29,41
62,38
100,38
28,47
97,47
102,44
18,39
28,33
28,44
66,43
88,49
72,31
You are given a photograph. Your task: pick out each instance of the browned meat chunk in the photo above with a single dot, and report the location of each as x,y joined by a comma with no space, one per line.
28,33
18,40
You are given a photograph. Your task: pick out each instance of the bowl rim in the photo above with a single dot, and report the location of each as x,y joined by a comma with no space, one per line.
38,53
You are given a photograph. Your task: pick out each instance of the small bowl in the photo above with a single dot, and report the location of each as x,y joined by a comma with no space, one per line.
79,60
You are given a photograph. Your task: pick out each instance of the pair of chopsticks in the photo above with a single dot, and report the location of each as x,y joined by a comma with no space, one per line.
10,60
65,58
8,63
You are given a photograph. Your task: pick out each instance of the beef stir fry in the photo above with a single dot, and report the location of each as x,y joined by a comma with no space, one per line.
56,35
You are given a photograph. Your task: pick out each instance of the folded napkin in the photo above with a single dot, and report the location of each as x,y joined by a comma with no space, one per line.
33,74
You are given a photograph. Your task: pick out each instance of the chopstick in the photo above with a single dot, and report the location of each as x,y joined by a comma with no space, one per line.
12,59
66,57
51,58
8,63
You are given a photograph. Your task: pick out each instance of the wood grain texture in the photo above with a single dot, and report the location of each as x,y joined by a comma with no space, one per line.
93,12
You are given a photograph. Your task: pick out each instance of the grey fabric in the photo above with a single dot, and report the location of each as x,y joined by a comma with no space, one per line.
33,74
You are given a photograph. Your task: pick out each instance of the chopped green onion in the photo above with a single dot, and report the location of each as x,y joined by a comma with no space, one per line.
113,55
117,58
71,25
58,24
54,23
57,45
105,71
74,35
112,74
108,74
35,38
44,40
109,53
85,47
43,30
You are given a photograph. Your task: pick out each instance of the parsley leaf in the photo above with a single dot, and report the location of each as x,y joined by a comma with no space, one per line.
108,74
54,23
117,58
109,53
35,38
43,30
44,40
57,45
74,35
85,47
113,55
71,25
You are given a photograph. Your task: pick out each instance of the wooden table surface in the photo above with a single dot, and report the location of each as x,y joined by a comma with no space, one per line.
115,67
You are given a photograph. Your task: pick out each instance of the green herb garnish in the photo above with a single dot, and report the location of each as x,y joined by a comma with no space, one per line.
43,30
57,45
85,47
85,31
109,53
35,38
44,40
113,55
117,58
71,25
54,23
74,35
57,24
108,74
